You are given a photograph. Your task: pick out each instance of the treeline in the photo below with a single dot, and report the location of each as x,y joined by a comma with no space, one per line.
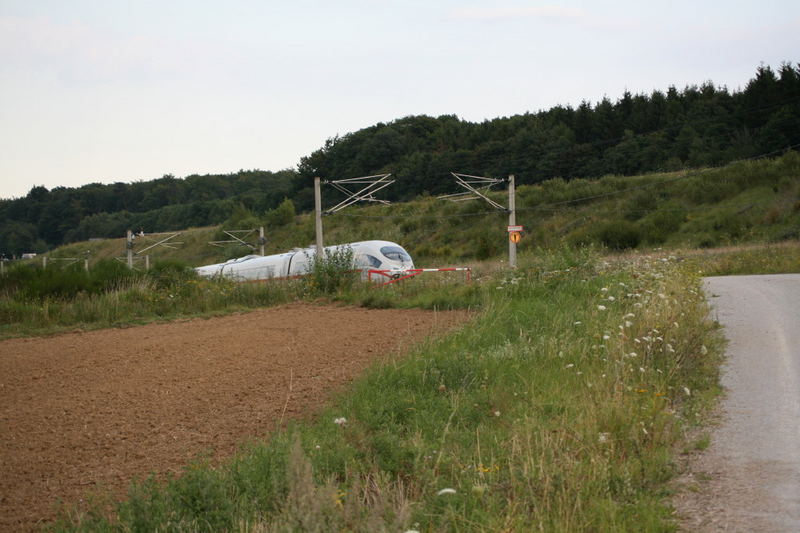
44,219
693,127
698,126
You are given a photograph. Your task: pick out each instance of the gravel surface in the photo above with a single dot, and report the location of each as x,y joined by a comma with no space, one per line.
749,478
89,411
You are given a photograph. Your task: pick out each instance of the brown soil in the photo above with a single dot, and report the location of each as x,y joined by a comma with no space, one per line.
90,411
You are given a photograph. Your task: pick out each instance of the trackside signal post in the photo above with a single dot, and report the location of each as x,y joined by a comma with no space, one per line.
129,249
318,216
512,221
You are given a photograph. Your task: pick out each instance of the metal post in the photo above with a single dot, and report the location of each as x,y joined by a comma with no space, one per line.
261,239
44,261
318,209
147,262
512,221
129,248
86,264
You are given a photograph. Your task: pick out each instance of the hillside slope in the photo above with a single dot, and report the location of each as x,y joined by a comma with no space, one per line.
751,201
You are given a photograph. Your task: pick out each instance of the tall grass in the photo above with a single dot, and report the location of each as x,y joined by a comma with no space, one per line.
556,409
37,301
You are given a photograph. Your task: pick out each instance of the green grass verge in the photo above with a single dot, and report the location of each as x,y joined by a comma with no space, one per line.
782,258
557,408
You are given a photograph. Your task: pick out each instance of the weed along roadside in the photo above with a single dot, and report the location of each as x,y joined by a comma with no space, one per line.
557,409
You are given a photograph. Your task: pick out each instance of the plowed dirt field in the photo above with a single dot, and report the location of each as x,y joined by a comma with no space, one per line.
89,411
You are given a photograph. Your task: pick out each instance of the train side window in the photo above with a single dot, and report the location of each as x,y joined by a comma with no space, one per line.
370,261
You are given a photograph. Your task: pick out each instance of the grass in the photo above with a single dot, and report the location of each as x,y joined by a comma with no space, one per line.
138,301
41,308
557,409
778,258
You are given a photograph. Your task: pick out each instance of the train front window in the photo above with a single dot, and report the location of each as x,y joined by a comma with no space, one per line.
395,253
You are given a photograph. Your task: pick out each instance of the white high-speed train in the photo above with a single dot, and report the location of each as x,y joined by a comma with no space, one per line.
367,255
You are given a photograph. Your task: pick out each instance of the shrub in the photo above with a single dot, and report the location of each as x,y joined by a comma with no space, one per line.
657,227
169,273
282,215
332,273
619,235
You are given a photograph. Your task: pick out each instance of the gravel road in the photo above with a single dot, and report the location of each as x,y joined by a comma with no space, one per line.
749,478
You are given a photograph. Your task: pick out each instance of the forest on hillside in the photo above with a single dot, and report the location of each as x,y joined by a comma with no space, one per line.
697,126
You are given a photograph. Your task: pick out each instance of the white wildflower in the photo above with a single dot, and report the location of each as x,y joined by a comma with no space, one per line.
604,289
577,323
497,413
641,369
569,365
611,298
687,391
703,349
629,315
340,421
670,349
601,308
606,337
602,438
446,491
628,323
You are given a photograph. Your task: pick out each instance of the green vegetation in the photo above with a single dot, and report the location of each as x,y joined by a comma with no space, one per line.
664,131
562,403
332,273
780,258
37,301
744,202
558,407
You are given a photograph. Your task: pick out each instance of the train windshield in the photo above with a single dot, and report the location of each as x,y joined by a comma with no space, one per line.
395,253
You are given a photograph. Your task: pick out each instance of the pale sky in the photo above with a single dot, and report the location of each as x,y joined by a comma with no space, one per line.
111,90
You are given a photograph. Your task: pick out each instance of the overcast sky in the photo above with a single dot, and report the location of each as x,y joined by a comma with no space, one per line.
107,90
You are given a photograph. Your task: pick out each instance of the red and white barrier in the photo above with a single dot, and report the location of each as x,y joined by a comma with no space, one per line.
399,275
